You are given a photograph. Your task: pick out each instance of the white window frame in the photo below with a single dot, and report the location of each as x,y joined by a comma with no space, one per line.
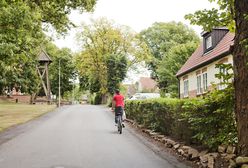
186,88
198,84
205,81
222,86
209,43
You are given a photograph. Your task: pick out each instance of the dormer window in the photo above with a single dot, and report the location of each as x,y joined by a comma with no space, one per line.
208,42
212,38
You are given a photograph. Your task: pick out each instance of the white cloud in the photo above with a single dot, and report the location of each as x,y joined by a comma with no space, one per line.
137,14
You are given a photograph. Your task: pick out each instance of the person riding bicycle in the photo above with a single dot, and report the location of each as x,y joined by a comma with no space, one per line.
118,105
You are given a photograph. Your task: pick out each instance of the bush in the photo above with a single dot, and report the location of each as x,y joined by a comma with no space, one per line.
212,118
96,98
208,121
161,115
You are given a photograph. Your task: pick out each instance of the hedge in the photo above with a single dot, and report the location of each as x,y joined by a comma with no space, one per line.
161,115
207,121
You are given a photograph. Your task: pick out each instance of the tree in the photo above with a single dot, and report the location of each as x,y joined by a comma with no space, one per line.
233,14
56,12
64,57
170,65
116,71
21,32
161,38
107,48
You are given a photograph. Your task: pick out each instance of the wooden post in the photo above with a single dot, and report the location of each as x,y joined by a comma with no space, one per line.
48,84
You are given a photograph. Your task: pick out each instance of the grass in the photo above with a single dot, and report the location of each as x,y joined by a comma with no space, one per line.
12,114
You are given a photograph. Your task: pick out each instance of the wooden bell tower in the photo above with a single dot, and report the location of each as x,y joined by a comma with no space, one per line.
42,69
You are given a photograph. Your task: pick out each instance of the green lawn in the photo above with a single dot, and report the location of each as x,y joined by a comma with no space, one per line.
13,114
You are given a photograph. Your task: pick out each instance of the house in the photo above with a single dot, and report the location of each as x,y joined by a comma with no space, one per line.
146,84
131,89
197,75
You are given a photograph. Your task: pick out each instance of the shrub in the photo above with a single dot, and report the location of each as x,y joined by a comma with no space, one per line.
209,121
95,98
212,118
161,115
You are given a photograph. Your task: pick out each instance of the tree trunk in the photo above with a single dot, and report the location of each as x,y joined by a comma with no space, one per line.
104,99
32,98
240,56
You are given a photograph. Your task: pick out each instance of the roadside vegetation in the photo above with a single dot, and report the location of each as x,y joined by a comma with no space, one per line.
207,121
12,114
232,14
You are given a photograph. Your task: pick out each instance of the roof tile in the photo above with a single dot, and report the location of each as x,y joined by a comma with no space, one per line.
198,57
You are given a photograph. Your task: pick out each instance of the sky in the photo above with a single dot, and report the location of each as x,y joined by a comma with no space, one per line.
137,14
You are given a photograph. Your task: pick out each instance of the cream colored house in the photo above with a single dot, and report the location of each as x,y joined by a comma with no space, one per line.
197,75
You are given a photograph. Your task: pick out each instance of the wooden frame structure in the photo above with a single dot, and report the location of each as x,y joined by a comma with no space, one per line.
42,69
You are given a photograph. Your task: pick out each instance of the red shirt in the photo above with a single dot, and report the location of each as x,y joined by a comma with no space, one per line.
119,100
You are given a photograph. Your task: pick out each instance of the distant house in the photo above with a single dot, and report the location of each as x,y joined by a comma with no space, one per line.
198,73
131,90
146,84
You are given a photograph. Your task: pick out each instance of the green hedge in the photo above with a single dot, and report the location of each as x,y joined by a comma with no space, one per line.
161,115
212,118
209,121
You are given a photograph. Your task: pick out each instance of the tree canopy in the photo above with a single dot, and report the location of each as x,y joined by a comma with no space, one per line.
64,59
222,16
22,24
108,51
56,12
232,14
170,65
20,34
164,40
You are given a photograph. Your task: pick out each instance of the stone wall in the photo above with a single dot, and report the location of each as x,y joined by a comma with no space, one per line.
17,98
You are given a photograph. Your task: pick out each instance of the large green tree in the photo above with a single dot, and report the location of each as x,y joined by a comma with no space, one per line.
63,59
108,50
21,32
234,15
116,71
161,38
170,65
56,12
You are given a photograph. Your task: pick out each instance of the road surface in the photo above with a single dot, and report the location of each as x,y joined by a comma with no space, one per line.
78,136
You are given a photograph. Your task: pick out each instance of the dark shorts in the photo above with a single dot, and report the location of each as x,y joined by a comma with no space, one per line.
118,110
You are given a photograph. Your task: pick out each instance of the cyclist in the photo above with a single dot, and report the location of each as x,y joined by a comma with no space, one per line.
118,105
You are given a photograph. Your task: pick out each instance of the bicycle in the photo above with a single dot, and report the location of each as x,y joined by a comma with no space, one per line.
119,124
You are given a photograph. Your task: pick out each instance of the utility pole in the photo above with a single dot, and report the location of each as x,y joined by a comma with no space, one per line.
59,83
73,92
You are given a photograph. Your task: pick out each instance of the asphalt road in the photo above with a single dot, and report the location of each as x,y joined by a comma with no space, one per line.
79,136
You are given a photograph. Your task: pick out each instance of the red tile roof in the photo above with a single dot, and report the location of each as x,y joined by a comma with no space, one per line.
148,83
198,58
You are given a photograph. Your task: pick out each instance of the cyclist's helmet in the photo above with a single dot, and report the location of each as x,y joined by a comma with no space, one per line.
117,91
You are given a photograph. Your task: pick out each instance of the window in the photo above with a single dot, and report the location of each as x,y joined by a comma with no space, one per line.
221,84
208,42
186,88
205,82
223,70
198,78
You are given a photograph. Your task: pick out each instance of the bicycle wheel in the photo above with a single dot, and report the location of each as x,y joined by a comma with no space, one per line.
119,125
